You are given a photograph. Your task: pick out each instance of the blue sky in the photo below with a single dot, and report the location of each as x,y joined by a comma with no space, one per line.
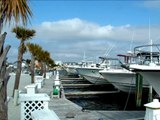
103,12
69,28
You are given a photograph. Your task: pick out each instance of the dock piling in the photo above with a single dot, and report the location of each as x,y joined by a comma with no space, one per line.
139,88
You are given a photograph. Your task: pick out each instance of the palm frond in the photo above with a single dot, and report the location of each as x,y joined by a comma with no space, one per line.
15,9
23,33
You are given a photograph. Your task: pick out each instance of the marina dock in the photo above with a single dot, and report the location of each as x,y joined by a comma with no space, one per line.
67,110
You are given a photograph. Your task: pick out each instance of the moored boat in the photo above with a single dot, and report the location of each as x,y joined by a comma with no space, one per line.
120,77
150,69
70,67
91,72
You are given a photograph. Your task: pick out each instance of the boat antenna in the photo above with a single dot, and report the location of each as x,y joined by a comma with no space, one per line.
84,56
131,41
105,54
151,49
109,50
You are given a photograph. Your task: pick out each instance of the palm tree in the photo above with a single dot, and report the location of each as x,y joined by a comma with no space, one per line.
45,59
50,63
23,35
33,49
10,10
43,56
14,10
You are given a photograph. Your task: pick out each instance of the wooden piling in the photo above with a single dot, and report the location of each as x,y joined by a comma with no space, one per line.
139,88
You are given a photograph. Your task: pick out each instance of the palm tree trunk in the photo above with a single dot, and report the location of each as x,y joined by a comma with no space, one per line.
32,68
3,94
3,103
3,98
44,69
19,67
4,77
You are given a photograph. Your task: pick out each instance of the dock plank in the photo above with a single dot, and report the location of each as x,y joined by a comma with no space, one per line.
71,78
89,93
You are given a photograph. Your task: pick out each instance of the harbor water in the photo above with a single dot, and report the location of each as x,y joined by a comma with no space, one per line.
110,101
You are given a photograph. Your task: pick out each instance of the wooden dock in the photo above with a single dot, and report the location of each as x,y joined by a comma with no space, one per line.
64,108
89,93
66,78
67,110
72,80
77,85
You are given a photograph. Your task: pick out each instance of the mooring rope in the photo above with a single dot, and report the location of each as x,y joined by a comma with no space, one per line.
128,94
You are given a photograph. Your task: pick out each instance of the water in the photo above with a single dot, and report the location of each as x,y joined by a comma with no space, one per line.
114,101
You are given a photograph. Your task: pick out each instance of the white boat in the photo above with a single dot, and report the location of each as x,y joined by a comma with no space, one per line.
121,78
70,67
91,72
92,75
150,70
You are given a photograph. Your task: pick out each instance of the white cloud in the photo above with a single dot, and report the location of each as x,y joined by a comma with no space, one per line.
77,29
68,39
152,4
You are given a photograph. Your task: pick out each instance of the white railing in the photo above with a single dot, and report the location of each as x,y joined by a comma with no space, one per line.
32,88
32,102
39,80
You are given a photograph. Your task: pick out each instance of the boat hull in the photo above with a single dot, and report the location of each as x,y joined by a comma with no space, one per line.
153,77
122,80
151,74
92,75
95,79
71,70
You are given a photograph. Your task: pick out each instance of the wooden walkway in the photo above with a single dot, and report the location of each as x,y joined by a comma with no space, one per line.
65,109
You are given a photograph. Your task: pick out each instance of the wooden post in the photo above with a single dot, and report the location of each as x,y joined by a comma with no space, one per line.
150,94
139,87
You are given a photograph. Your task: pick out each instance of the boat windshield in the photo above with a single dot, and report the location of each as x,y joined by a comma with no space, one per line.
147,54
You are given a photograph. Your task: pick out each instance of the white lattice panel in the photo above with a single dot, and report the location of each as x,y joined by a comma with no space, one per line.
30,106
30,103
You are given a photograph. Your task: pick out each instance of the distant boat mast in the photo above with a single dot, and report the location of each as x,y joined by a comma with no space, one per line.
151,42
84,56
131,41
